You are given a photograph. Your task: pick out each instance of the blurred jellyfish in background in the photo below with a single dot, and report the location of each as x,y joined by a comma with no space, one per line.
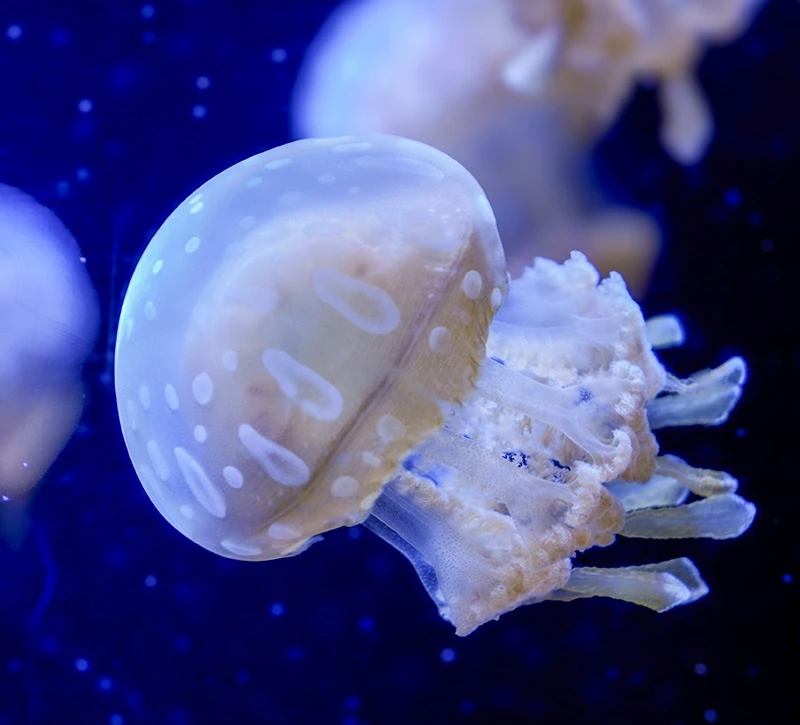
520,91
325,334
48,323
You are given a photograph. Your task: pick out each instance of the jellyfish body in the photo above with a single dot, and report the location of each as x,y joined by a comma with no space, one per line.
310,341
48,323
519,92
252,430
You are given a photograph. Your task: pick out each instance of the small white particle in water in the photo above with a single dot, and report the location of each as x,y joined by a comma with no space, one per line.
13,32
344,486
277,164
85,105
199,111
230,360
202,83
290,197
171,396
192,245
278,55
200,433
367,502
150,311
150,581
203,388
326,179
158,266
472,284
233,476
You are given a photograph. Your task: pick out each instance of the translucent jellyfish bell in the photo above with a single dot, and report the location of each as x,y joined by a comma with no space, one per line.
48,323
324,335
289,332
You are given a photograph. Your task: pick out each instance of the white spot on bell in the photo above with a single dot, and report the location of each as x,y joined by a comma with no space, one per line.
368,307
303,385
344,486
171,396
230,360
203,388
158,460
206,493
371,460
279,463
472,284
390,429
233,476
192,245
441,340
497,297
144,396
240,548
283,532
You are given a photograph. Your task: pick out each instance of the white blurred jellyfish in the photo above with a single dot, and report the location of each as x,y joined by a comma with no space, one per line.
324,335
48,323
519,91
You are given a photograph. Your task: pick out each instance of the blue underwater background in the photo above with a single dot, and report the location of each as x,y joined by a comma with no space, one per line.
109,616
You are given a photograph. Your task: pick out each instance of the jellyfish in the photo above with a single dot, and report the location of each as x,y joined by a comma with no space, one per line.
48,323
325,335
520,92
